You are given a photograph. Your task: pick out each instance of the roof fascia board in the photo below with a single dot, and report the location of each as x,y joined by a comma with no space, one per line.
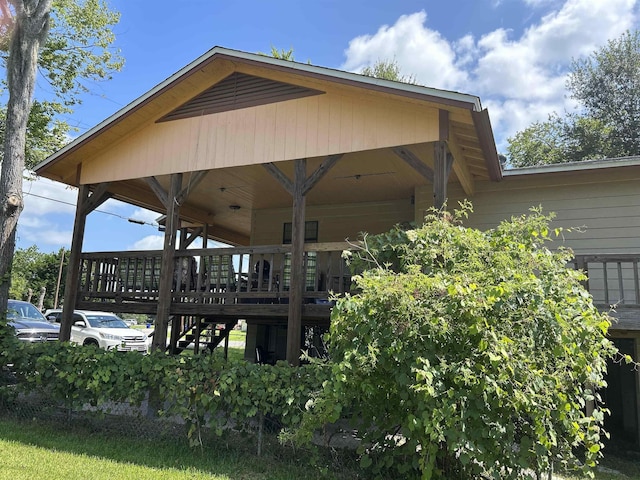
487,143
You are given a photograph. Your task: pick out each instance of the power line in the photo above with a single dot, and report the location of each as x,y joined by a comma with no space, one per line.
128,219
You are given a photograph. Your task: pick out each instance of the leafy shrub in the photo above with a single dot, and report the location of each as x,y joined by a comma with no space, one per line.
467,354
203,390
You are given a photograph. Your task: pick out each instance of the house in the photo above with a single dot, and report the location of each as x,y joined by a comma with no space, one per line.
285,161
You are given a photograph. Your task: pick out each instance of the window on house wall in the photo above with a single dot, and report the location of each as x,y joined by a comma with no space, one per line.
310,232
310,236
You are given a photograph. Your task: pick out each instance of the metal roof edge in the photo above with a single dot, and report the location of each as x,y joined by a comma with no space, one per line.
575,166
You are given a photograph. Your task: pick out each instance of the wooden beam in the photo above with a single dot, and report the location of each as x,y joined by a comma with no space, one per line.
167,266
294,324
97,198
417,164
183,237
158,189
73,268
279,176
440,176
320,172
194,180
189,237
443,123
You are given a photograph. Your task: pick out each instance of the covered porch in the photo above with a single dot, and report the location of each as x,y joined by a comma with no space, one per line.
283,161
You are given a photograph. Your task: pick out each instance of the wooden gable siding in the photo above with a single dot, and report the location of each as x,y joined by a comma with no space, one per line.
303,128
605,202
336,223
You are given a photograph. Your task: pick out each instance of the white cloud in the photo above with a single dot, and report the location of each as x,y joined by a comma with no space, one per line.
419,50
45,203
150,242
521,78
43,196
46,236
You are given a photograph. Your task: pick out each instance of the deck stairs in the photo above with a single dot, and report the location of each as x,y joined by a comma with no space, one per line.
208,333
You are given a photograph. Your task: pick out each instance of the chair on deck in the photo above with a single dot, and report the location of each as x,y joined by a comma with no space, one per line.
261,276
185,274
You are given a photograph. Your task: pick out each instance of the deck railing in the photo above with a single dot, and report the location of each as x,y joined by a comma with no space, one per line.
613,279
260,274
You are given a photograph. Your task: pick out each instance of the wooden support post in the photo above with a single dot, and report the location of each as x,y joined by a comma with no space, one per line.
294,325
298,189
440,175
167,267
73,269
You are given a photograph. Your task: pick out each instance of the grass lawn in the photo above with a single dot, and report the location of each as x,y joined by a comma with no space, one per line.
237,336
622,466
30,450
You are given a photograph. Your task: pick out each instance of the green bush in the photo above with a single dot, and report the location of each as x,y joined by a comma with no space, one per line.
467,354
204,390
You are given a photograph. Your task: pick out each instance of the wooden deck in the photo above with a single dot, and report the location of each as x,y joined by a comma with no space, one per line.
614,283
225,283
253,283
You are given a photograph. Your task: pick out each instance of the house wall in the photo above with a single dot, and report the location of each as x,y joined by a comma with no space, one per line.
303,128
605,202
336,223
601,206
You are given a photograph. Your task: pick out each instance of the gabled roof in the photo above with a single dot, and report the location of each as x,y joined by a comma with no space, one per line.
181,77
227,113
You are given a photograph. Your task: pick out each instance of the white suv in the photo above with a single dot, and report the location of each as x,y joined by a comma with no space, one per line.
103,329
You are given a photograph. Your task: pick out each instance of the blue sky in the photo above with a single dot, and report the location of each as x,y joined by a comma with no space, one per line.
513,54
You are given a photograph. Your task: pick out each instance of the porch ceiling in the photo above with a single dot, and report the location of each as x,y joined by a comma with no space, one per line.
377,175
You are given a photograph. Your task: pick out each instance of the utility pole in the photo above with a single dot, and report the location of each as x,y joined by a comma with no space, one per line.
55,302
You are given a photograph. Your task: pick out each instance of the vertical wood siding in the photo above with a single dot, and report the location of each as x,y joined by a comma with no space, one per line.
303,128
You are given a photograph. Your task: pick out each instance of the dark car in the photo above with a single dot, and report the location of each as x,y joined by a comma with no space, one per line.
29,323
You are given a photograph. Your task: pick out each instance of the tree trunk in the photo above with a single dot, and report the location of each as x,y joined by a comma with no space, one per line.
30,30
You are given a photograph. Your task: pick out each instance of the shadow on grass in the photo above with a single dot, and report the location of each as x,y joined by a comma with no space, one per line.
232,454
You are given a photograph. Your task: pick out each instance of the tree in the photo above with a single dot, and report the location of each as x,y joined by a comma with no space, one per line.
388,70
69,40
281,54
560,140
467,354
33,269
607,87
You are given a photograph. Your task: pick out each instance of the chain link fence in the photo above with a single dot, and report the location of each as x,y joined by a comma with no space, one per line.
127,420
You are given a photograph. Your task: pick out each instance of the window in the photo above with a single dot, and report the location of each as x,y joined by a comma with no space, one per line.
310,232
310,236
